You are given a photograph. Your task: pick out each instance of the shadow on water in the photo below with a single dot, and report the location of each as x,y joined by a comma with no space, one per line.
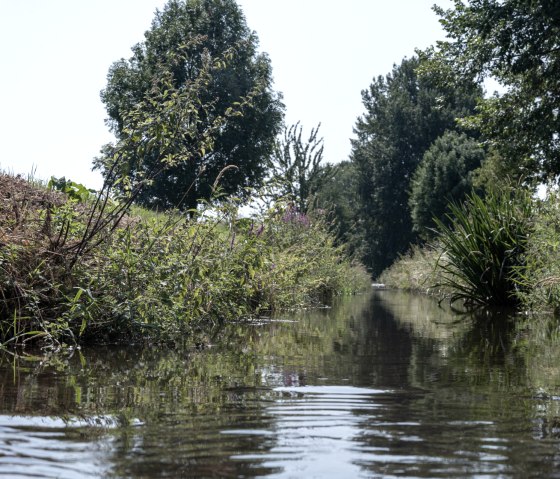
387,385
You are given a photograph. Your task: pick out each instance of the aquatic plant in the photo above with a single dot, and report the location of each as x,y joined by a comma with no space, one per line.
484,247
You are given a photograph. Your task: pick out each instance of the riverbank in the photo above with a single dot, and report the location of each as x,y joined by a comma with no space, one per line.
76,268
500,250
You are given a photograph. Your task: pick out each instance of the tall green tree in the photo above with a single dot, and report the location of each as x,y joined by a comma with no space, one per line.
181,39
404,114
444,175
517,43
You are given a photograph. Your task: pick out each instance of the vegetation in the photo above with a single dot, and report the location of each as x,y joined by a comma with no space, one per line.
203,48
415,270
500,249
484,247
445,174
160,278
338,196
542,273
194,118
197,123
516,43
492,246
404,115
296,166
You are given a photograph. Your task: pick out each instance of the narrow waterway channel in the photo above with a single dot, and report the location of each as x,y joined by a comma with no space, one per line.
387,385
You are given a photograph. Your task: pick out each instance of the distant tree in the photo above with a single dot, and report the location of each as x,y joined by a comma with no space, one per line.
444,175
181,39
296,165
516,42
404,114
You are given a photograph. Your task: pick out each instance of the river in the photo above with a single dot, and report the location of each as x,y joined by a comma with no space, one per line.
379,386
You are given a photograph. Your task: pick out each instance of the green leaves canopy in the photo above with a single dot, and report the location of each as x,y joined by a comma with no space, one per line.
444,175
183,39
404,114
516,42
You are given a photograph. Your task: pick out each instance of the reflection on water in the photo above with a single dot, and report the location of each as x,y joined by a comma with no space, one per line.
382,386
315,431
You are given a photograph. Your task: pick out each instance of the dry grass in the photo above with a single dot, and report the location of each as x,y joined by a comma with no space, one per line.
414,271
24,210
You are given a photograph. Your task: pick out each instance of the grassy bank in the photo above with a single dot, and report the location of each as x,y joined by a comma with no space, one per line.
74,268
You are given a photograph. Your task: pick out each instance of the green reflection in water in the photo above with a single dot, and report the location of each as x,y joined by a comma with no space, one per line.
454,385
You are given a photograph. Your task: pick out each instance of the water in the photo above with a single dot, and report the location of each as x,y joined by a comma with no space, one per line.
382,386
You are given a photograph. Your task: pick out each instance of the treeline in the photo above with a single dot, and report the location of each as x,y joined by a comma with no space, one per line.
194,108
443,166
161,251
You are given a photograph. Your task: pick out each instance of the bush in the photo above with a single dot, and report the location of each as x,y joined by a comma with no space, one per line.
445,174
484,247
541,277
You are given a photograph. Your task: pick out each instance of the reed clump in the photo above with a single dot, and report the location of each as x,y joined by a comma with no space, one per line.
479,255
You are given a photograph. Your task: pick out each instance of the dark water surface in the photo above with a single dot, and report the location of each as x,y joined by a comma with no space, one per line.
382,386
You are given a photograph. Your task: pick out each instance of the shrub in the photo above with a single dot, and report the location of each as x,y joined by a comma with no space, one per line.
444,174
541,276
484,247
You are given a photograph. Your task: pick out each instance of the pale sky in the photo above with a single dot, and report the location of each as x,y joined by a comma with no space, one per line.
55,54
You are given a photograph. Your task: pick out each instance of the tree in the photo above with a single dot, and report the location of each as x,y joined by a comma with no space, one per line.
181,39
337,194
444,175
404,115
516,42
296,165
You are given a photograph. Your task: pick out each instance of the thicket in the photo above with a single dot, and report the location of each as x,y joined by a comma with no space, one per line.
542,271
154,277
484,248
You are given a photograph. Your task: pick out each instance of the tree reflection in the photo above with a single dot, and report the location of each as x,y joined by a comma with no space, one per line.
449,385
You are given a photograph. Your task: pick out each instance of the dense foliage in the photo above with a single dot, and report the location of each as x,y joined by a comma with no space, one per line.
154,277
196,120
496,247
185,37
404,115
444,175
338,197
541,277
517,43
484,247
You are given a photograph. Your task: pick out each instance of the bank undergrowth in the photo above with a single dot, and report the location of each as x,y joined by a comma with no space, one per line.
500,250
153,277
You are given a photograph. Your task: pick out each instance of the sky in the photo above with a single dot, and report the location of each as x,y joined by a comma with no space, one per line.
55,54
